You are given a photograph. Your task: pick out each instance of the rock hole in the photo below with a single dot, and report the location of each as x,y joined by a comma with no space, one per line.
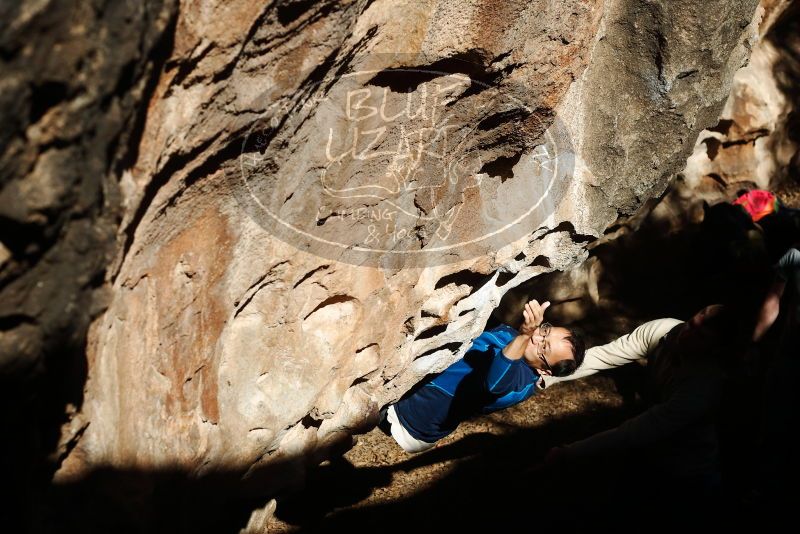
289,12
365,347
310,422
330,301
502,167
44,97
712,147
453,347
504,277
470,278
432,331
569,228
309,274
359,380
408,79
541,261
723,126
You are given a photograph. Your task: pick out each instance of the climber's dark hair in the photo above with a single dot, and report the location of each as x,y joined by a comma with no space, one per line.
578,345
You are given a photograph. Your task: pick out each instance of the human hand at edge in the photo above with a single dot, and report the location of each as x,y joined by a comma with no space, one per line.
533,315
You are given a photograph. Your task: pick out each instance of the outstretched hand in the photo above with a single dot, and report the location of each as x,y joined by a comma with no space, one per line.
533,315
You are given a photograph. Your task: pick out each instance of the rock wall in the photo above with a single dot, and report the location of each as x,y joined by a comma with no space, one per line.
324,201
752,145
74,80
648,265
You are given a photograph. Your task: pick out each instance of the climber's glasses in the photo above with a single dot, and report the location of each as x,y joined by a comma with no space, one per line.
544,347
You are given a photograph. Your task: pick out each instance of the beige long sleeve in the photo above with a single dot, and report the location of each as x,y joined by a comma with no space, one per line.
626,349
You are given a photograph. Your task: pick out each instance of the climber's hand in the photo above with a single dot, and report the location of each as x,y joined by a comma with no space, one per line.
533,315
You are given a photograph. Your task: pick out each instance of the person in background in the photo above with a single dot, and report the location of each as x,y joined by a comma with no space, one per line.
779,318
674,440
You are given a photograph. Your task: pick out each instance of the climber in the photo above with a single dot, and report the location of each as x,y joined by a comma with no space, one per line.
503,367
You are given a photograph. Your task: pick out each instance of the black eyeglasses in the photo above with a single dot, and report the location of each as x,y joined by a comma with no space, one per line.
544,331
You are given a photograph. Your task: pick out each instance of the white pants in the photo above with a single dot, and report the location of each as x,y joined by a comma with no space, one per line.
406,441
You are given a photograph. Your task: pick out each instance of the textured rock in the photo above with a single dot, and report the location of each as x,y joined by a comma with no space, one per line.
223,343
645,266
73,83
73,76
232,343
751,145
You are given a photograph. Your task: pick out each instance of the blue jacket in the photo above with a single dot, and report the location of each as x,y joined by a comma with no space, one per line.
483,381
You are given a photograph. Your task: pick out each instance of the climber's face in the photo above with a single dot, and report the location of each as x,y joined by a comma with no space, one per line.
546,347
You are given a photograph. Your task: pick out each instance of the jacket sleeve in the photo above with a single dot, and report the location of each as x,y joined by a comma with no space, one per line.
504,375
626,349
694,400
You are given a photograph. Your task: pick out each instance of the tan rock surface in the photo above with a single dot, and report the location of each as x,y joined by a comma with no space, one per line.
224,345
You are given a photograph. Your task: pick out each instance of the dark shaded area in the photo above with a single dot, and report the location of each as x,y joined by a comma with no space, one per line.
776,481
44,97
491,486
291,10
495,482
656,273
60,160
170,500
470,63
493,473
653,273
144,501
500,483
502,167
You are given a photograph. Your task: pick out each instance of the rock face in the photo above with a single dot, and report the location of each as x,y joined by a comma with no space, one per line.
646,266
325,200
74,77
71,91
752,145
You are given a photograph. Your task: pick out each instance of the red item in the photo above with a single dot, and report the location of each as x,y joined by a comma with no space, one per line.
758,203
